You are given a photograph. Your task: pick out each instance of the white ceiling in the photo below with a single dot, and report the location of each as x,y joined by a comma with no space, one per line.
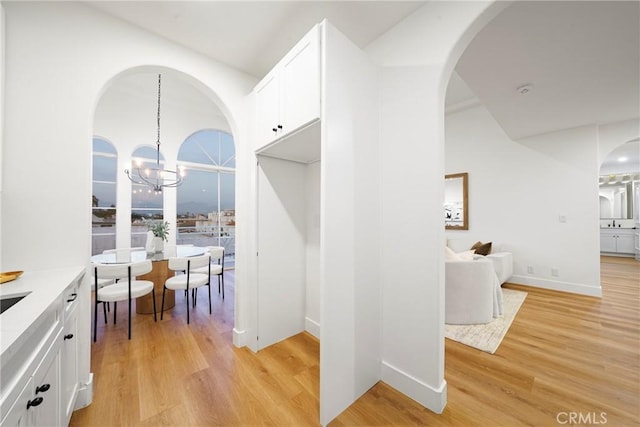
581,57
253,35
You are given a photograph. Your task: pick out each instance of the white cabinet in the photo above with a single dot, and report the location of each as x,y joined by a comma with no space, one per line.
69,354
288,98
45,400
38,403
18,413
617,241
40,376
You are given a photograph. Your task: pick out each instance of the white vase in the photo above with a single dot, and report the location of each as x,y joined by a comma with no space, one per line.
159,244
150,246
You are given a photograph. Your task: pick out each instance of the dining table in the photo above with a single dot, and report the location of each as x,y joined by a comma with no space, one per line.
158,275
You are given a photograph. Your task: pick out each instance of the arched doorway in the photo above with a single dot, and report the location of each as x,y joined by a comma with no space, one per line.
126,115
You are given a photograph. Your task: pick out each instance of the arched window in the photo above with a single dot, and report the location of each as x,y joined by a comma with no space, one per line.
103,203
206,206
145,203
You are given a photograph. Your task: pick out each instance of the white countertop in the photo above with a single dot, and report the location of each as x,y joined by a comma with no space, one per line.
44,287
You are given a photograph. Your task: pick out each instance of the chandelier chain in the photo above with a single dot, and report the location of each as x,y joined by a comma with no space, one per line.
159,81
156,177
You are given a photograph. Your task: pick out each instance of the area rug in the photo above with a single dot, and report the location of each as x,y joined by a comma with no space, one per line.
488,337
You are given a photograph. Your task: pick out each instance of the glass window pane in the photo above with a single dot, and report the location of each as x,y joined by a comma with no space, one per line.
104,168
227,151
201,147
143,196
198,194
227,191
102,146
103,200
104,194
206,199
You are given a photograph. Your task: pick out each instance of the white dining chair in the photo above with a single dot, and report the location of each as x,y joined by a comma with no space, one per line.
98,284
217,265
126,288
188,280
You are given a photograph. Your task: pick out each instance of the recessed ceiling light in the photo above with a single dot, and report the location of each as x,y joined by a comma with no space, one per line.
523,90
622,159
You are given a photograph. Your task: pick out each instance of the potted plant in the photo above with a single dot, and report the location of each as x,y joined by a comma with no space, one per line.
160,230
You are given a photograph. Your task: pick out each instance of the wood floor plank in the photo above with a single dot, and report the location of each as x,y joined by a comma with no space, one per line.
563,353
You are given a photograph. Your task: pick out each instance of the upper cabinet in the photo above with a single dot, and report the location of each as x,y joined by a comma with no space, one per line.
288,98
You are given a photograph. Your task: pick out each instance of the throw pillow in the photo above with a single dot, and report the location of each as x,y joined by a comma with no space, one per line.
482,248
449,255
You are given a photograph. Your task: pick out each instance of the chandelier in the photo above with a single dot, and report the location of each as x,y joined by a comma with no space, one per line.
156,177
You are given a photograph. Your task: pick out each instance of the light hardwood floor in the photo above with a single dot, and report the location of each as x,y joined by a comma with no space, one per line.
564,356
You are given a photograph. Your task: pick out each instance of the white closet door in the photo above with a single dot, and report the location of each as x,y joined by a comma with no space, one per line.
281,250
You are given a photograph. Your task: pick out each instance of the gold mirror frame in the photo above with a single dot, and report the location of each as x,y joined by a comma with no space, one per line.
457,211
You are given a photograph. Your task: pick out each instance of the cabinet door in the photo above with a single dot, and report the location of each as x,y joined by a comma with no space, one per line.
301,83
268,110
19,414
624,243
607,242
46,386
69,366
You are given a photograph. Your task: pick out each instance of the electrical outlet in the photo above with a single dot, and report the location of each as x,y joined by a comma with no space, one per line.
530,269
555,272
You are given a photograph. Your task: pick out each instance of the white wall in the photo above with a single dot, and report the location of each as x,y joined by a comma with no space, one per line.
518,192
60,56
350,226
312,250
2,39
417,57
281,208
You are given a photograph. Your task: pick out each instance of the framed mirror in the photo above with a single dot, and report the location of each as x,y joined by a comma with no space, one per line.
456,201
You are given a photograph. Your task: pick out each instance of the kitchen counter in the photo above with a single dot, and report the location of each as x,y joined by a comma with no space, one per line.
44,288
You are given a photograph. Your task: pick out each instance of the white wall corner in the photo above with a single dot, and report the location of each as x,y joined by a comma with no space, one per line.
239,338
312,327
433,398
557,285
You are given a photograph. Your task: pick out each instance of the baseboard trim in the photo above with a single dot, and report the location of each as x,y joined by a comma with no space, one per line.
239,338
312,327
556,285
85,394
434,399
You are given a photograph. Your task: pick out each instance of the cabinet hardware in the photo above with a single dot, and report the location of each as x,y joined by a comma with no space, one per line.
279,126
274,130
68,336
43,388
35,402
73,297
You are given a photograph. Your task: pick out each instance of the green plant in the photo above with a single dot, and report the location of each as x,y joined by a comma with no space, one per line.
159,229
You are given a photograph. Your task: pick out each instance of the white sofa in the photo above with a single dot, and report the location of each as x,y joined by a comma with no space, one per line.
473,294
502,260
